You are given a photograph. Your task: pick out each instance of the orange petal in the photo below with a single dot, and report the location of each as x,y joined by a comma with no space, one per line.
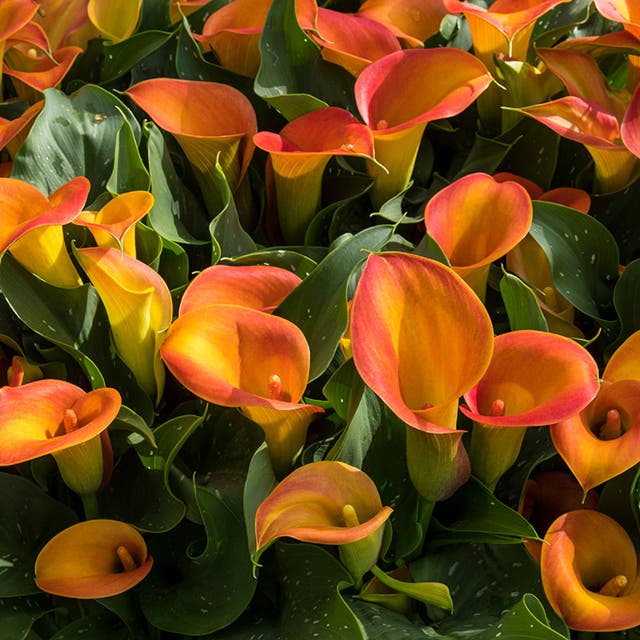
540,377
115,19
630,127
44,73
597,446
623,11
583,550
9,129
14,14
93,559
624,364
61,18
258,287
428,348
308,505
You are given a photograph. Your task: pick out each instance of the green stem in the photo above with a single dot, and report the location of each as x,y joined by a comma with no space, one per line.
90,505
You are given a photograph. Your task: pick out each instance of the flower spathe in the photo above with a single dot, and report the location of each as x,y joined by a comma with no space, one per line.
115,21
31,227
589,572
264,374
477,220
441,82
93,559
57,417
420,355
326,502
139,308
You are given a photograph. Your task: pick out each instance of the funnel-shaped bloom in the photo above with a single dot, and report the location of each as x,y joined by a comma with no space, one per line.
116,20
326,503
440,82
239,357
533,378
56,417
412,21
259,287
138,304
420,354
212,122
114,225
603,440
64,21
299,154
93,559
476,220
591,114
31,227
589,572
14,15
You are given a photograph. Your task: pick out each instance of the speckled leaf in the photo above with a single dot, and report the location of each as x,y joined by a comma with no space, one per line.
100,626
296,262
129,172
19,614
626,300
521,304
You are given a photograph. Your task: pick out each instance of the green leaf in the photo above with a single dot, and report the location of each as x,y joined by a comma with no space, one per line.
19,614
485,155
344,390
202,578
559,21
128,420
521,304
626,300
287,68
100,626
174,264
318,305
73,136
295,262
176,214
28,519
129,172
583,256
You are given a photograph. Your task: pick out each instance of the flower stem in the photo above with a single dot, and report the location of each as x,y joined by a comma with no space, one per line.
90,505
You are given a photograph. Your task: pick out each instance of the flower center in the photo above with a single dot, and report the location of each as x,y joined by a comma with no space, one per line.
497,408
69,420
382,124
126,559
274,386
611,428
614,586
350,516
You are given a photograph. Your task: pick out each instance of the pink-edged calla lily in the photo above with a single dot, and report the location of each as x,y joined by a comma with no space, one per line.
476,220
261,287
352,41
591,114
212,122
116,20
65,22
21,371
93,559
139,308
56,417
411,21
534,378
114,224
298,156
326,502
548,495
264,374
630,127
31,227
589,572
441,82
420,354
13,132
603,440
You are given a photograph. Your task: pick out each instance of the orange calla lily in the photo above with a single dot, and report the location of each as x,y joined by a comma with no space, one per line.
57,417
589,572
412,21
31,227
533,378
476,220
114,224
265,374
93,559
299,154
441,82
115,20
420,355
212,122
63,21
627,12
14,15
139,307
326,502
13,132
259,287
603,440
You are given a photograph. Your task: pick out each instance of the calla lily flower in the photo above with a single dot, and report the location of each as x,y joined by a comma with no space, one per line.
591,114
589,572
412,21
115,20
14,15
265,374
603,440
326,502
260,287
477,220
299,154
93,559
13,132
139,307
533,378
420,355
21,371
212,122
65,22
441,82
31,227
114,225
57,417
623,11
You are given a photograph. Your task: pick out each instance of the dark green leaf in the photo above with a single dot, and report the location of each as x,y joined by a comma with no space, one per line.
626,300
129,172
343,390
521,305
19,614
295,262
559,21
101,626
